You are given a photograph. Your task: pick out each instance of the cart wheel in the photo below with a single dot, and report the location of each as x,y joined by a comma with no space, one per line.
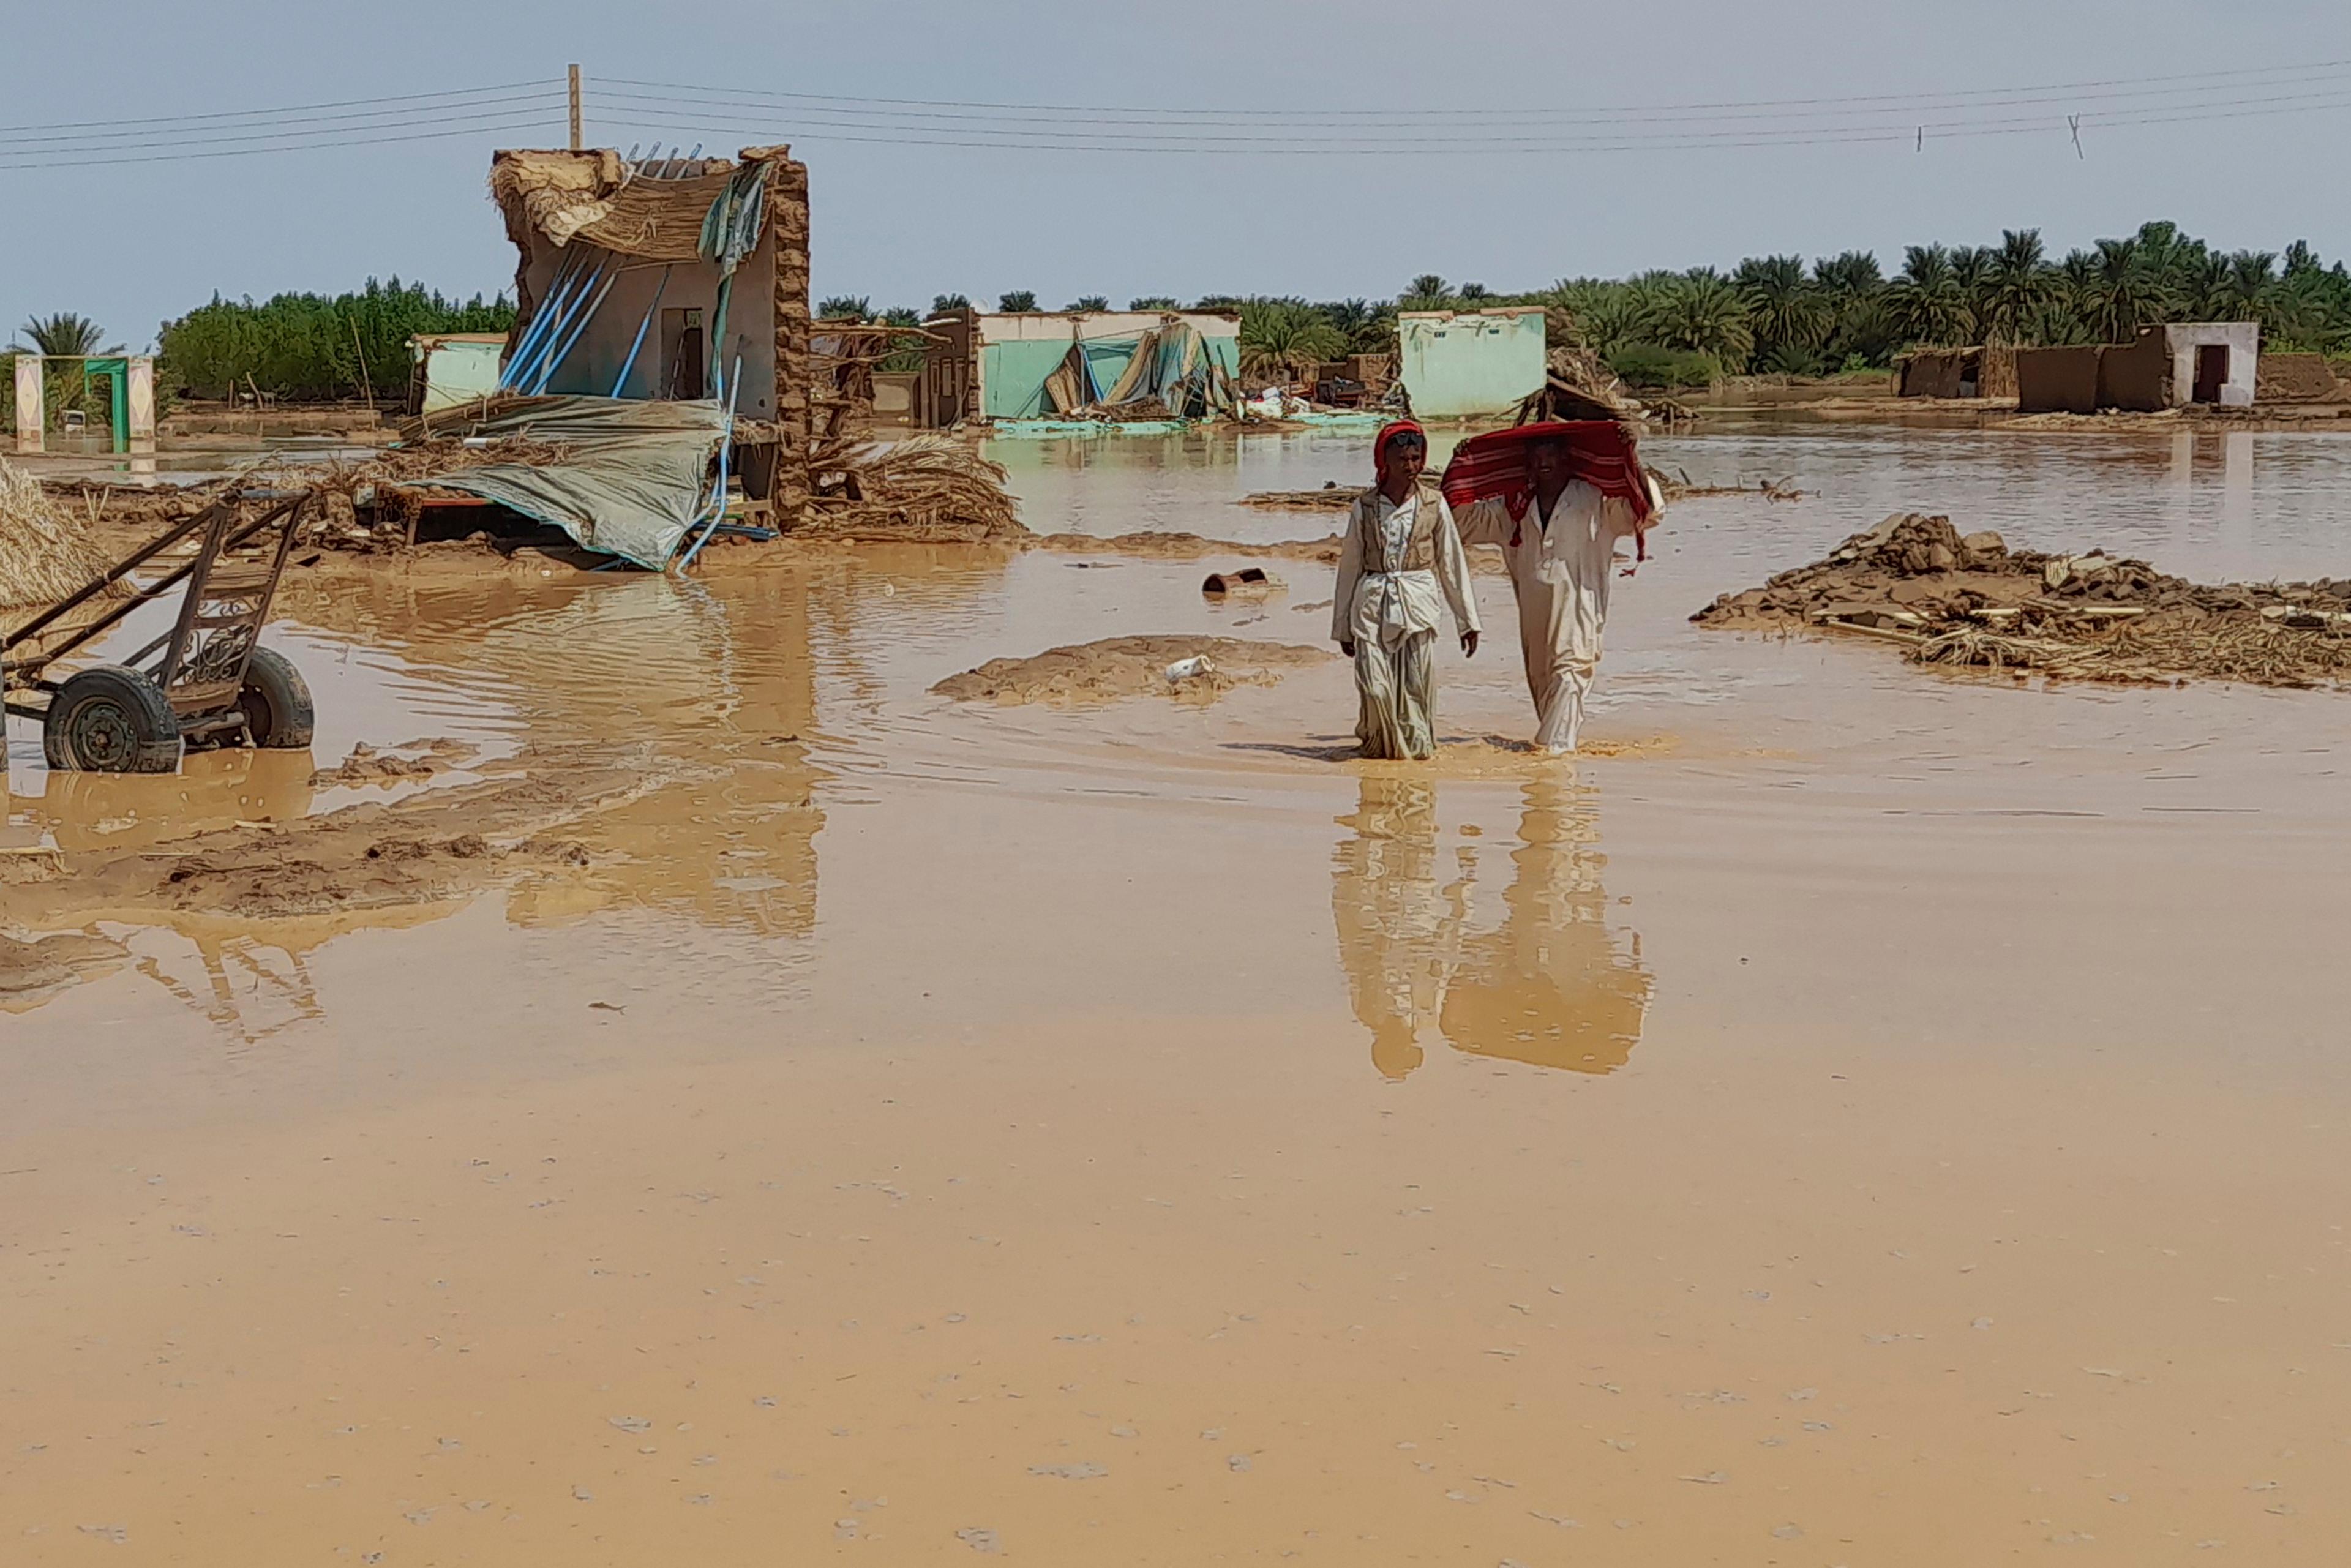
276,703
107,720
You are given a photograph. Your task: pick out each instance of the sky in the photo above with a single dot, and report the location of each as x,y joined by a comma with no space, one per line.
1439,93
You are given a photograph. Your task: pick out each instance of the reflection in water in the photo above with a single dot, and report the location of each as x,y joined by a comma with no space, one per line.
246,993
1549,985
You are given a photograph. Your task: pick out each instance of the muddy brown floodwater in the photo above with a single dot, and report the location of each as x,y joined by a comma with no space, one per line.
1859,1115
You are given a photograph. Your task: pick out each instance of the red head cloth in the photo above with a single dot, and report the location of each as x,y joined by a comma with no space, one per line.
1600,453
1388,432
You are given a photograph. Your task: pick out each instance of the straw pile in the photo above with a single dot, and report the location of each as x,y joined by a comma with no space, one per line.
46,552
925,489
1947,600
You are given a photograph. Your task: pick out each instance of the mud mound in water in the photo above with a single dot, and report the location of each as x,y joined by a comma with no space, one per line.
430,848
1951,599
1129,666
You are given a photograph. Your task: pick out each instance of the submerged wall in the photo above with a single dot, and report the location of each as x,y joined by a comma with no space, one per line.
1465,364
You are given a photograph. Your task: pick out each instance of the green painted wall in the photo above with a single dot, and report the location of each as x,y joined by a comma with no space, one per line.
1470,365
459,373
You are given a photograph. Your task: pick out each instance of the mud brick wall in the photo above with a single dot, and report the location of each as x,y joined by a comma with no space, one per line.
2057,381
788,219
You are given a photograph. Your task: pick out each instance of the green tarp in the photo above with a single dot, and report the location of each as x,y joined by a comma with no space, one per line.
639,473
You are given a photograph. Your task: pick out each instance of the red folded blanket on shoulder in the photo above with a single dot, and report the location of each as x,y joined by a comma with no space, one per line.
1494,465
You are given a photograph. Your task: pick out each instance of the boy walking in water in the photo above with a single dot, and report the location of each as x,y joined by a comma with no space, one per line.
1401,549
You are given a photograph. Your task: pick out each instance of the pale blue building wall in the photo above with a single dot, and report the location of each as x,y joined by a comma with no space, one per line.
1464,364
456,372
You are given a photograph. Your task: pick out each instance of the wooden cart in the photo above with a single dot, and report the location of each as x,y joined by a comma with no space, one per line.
206,681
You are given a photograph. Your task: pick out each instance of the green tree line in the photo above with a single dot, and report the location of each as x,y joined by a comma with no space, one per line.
313,346
1779,314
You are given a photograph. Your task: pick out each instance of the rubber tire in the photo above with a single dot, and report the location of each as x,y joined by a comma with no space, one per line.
276,702
141,736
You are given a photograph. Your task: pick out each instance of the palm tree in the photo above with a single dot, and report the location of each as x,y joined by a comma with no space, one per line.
1851,276
1972,272
1925,302
1154,302
1091,302
2016,284
1700,311
1282,337
1021,301
2249,289
1788,315
2125,292
64,336
845,307
1473,294
1426,292
1854,289
942,303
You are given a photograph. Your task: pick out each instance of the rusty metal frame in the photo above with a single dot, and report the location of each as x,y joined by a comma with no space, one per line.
223,533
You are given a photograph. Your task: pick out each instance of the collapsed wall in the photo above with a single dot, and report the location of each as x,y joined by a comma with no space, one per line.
1916,581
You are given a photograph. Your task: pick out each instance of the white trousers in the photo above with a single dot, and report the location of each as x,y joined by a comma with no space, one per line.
1559,632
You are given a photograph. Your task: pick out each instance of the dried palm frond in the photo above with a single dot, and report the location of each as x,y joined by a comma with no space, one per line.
46,553
924,487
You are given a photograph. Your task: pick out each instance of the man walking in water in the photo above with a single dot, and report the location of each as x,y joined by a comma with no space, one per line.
1401,548
1558,536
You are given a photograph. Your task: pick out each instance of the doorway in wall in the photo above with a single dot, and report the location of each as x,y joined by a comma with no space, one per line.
684,357
2211,371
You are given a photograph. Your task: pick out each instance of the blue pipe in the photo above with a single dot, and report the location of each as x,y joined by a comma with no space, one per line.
555,360
535,334
651,310
718,494
570,318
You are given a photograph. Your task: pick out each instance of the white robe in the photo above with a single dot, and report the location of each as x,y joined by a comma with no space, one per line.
1388,606
1391,618
1560,574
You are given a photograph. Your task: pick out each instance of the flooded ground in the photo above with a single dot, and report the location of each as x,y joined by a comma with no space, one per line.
1858,1116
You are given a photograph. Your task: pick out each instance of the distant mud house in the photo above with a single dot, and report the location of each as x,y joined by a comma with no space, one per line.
2214,363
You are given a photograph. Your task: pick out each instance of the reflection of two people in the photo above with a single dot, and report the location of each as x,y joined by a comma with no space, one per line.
1549,987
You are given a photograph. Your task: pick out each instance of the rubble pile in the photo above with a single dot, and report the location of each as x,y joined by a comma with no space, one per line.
1954,599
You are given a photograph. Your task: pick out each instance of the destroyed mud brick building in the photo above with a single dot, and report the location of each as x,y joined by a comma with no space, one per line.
683,278
1978,370
2214,363
1006,366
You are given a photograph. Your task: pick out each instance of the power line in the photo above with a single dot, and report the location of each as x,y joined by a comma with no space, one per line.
1901,103
1499,118
65,162
259,130
1860,119
675,115
289,109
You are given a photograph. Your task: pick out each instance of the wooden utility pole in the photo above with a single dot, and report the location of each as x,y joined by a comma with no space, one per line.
575,109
